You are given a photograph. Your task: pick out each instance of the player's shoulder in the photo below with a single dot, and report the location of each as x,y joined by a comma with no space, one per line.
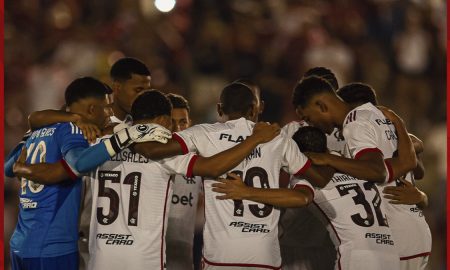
365,112
68,127
290,128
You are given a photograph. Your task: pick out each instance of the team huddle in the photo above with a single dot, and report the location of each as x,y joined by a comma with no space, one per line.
115,185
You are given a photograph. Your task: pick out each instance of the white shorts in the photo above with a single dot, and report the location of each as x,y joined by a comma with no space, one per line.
218,266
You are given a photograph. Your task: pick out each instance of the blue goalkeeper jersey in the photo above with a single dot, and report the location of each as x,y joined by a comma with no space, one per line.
48,214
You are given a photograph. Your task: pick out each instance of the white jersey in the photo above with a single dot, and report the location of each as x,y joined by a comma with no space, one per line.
181,222
130,201
335,142
367,129
409,247
242,233
355,216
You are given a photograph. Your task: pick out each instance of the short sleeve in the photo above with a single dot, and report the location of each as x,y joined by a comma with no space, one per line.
69,136
186,139
361,138
297,182
294,162
183,165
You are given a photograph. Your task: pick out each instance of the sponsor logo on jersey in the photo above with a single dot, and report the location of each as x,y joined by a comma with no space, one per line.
383,122
116,239
189,180
380,238
28,203
230,138
250,227
183,199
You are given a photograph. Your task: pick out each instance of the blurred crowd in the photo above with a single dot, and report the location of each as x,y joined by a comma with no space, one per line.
397,46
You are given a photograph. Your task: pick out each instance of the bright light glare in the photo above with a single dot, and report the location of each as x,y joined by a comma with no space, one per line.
165,5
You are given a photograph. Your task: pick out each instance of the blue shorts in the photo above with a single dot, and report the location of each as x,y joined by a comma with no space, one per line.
65,262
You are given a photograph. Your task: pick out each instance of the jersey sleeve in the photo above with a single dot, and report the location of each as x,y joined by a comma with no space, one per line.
69,136
297,182
183,165
186,139
294,162
361,138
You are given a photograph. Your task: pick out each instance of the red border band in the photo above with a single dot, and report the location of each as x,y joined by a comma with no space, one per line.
180,140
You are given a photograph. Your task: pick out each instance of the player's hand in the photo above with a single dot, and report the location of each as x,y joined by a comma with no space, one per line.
405,194
90,131
19,166
232,188
148,133
264,132
319,159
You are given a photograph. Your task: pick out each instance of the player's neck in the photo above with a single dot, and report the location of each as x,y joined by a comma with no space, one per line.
342,109
119,112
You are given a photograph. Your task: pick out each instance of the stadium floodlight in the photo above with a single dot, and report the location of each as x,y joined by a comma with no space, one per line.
165,5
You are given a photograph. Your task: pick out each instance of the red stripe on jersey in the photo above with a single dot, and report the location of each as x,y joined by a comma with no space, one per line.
242,265
163,225
190,168
367,150
180,140
69,170
415,256
304,168
296,186
390,171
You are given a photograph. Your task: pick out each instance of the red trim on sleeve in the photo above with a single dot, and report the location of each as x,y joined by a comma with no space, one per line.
390,171
367,150
69,170
305,186
304,168
191,166
180,140
415,256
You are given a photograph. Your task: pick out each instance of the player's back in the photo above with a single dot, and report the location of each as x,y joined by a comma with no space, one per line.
129,195
48,214
130,201
242,232
356,215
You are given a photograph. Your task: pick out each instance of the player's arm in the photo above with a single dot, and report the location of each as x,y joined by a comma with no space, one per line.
157,151
235,189
419,171
406,160
14,155
318,176
42,173
44,118
407,193
82,160
369,166
222,162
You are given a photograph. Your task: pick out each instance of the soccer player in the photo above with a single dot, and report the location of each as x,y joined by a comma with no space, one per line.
46,233
186,195
130,193
239,233
413,251
354,213
304,241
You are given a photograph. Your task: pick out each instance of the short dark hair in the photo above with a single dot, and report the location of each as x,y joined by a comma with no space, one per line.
237,98
85,87
324,73
125,67
151,104
308,88
310,139
356,93
178,101
248,83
